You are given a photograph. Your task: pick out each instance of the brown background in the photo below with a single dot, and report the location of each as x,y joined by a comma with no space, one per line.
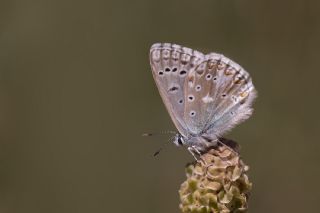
76,92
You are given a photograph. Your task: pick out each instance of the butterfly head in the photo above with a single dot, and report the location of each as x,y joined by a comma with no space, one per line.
179,140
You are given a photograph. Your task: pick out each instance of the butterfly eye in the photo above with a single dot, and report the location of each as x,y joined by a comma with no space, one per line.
174,69
167,69
180,141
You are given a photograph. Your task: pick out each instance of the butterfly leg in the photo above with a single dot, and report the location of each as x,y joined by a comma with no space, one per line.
190,149
194,152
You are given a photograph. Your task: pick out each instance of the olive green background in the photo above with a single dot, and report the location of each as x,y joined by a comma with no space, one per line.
76,92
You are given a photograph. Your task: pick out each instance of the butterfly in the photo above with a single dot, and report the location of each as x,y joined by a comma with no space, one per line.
205,95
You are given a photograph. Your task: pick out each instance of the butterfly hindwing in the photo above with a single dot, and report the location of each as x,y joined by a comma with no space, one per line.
218,95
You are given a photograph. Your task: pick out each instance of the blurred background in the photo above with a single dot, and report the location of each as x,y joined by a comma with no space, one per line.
76,93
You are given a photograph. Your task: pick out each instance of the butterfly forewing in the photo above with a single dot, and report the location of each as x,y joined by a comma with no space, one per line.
170,65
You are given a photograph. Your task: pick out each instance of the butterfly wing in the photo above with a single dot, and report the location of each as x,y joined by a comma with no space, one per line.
170,65
218,94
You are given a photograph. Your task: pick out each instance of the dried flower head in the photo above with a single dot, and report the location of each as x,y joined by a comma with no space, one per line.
217,182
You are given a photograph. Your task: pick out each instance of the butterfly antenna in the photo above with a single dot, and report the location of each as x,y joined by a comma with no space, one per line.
157,152
159,133
165,145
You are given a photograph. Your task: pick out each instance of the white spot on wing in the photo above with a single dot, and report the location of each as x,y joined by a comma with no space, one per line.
190,83
207,99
